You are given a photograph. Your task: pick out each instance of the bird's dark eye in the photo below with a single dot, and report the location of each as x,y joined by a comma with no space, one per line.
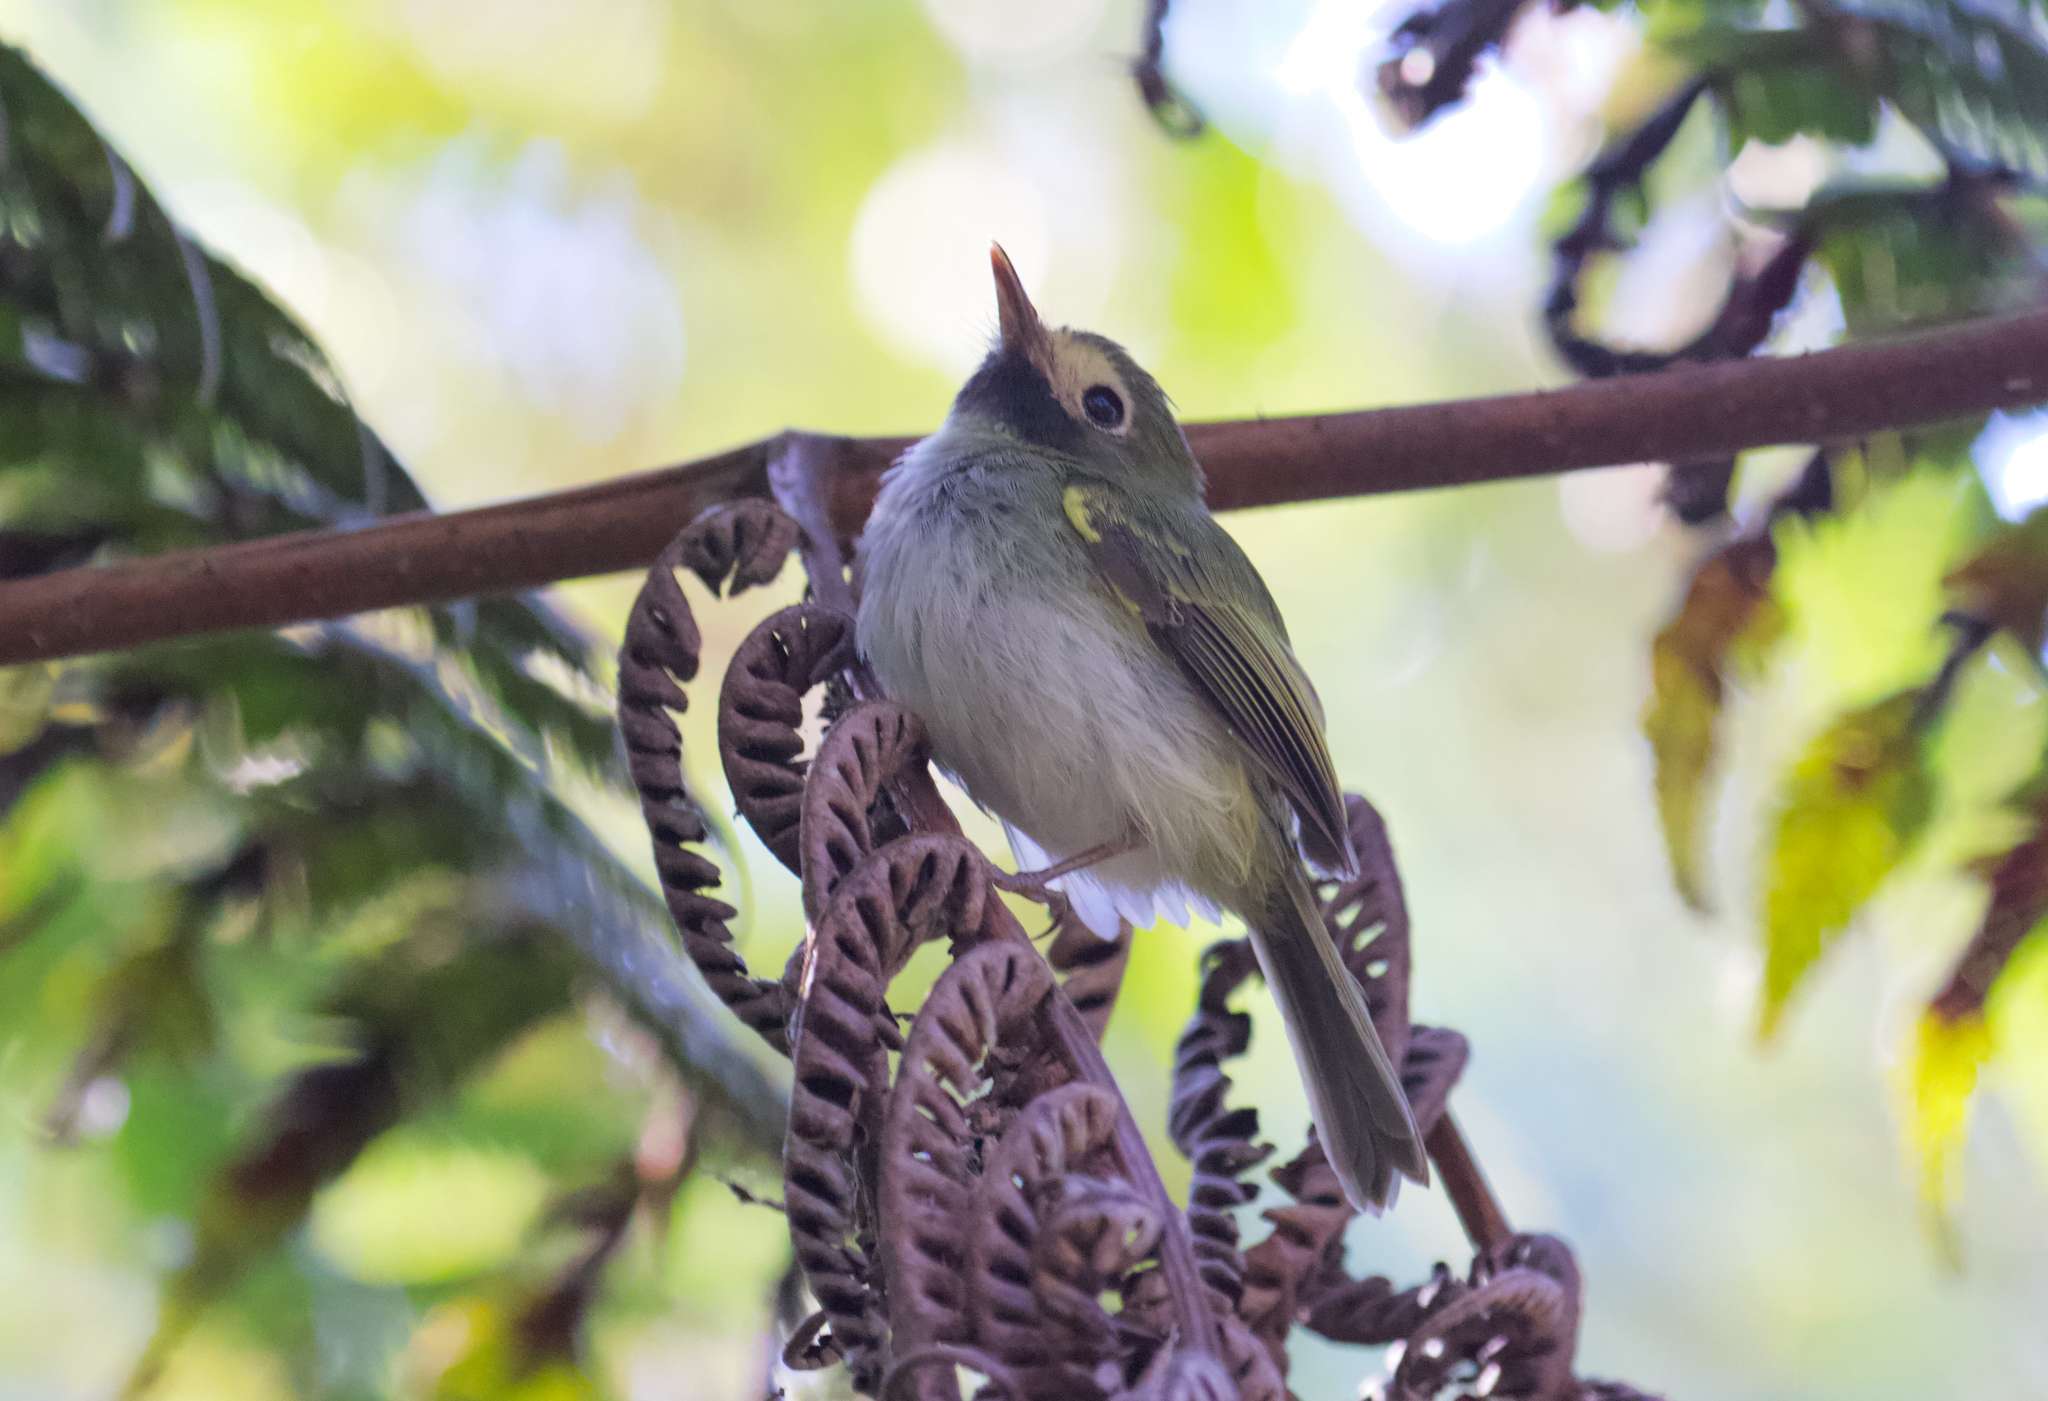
1103,405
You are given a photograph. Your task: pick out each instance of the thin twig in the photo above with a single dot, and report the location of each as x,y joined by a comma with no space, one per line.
1432,55
1971,635
1991,948
1175,114
1486,1225
746,1196
1684,414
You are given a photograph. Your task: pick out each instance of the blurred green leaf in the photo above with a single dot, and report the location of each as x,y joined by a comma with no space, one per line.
560,1096
524,1339
334,860
414,1211
1936,1087
155,1000
1726,621
1970,76
1774,82
1778,86
2017,1012
1974,80
422,1018
1862,587
25,693
1922,255
1848,812
1954,1039
473,1350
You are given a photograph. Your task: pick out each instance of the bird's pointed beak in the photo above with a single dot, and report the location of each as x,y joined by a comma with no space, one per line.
1021,329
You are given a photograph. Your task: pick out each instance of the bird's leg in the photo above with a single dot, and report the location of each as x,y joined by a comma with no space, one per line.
1037,885
1079,861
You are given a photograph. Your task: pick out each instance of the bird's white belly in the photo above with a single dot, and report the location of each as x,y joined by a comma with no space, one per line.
1056,712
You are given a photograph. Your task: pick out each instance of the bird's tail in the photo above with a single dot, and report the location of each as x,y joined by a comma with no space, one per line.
1361,1114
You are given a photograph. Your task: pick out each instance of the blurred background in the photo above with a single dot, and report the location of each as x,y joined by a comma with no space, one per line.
546,244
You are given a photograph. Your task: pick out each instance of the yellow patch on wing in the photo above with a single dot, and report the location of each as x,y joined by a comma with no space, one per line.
1075,501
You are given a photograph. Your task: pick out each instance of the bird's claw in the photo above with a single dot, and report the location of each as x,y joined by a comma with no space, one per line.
1037,887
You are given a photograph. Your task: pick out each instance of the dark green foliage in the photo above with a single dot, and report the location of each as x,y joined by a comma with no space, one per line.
343,844
1972,74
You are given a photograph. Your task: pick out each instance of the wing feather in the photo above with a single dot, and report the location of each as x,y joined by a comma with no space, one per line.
1207,609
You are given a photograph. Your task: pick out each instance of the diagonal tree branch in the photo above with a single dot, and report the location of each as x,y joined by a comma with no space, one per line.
1685,414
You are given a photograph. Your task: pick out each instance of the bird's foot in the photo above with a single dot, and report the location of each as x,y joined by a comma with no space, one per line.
1032,886
1037,885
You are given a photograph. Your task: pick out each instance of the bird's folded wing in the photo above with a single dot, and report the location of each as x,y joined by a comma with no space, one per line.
1204,604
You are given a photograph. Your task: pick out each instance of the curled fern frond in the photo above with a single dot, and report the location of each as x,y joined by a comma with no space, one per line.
844,816
1091,968
761,712
1023,1281
742,543
1511,1328
1434,1060
1368,917
982,1015
919,888
659,658
1221,1142
990,1208
1302,1247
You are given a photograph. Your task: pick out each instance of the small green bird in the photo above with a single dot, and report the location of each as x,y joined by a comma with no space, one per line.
1099,665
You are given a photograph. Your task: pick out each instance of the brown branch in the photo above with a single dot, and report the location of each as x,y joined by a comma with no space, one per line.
1685,414
1486,1225
1977,967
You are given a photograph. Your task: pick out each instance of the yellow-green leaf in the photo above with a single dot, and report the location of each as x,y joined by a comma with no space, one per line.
1935,1088
25,693
1862,588
411,1211
472,1349
1727,611
2017,1013
1848,813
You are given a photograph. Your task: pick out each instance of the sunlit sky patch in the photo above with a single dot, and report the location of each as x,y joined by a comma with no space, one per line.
920,248
609,71
1030,170
1426,179
261,236
1779,177
1004,33
1474,173
2013,456
1028,179
1671,283
1614,510
554,274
